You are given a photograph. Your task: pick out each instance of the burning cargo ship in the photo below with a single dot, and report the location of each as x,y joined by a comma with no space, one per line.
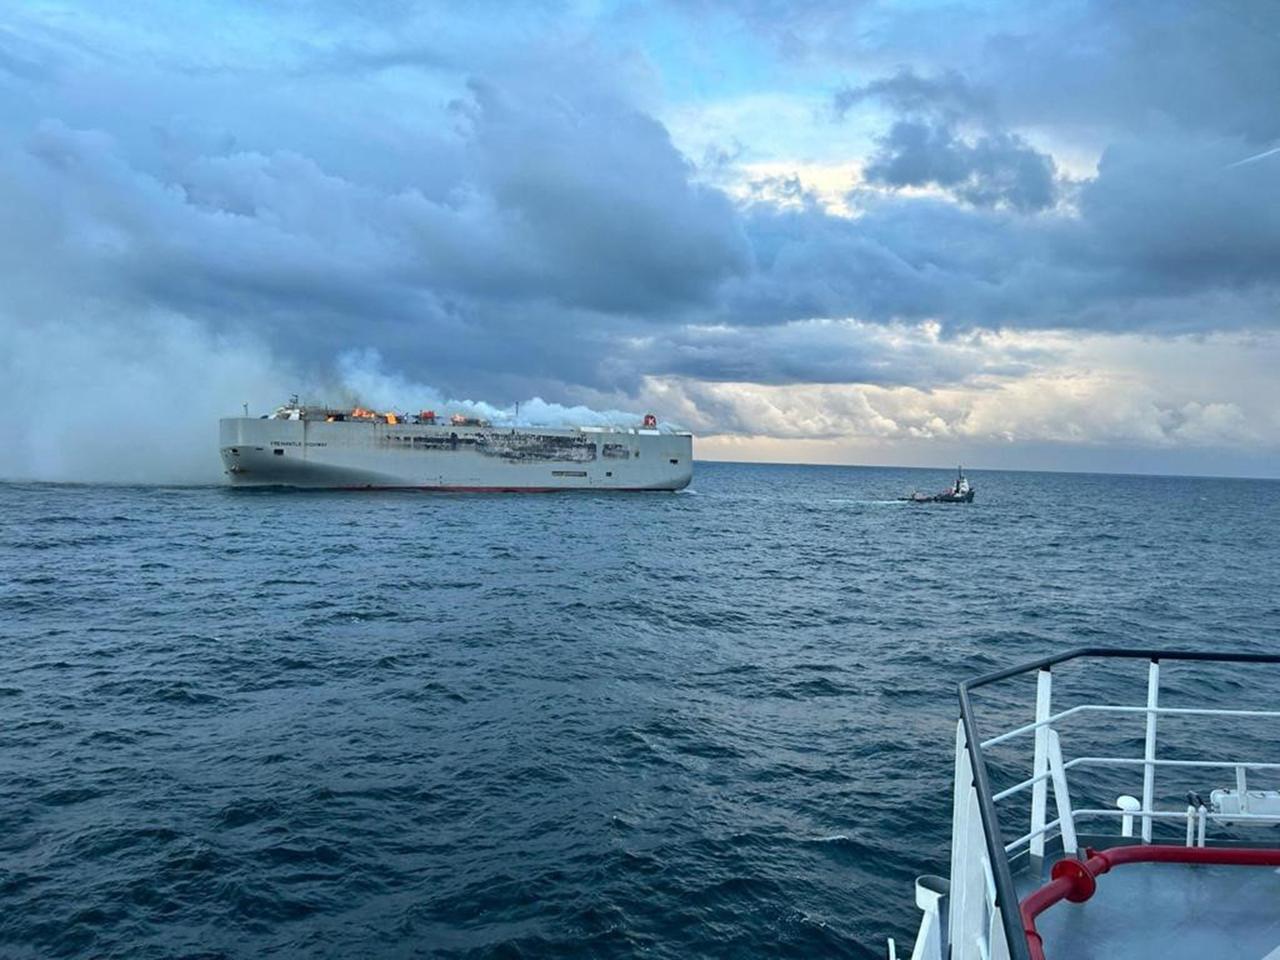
320,447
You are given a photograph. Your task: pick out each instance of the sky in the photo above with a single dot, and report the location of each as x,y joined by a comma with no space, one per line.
1040,235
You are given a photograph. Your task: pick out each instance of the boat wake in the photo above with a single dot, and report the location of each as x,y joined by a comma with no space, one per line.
848,502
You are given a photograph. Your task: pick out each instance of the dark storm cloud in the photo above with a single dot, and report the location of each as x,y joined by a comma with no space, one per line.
1090,64
1175,216
528,216
508,275
989,171
1197,66
923,148
626,230
823,351
1166,238
575,212
903,258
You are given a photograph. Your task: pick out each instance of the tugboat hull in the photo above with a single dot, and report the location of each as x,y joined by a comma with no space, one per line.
958,492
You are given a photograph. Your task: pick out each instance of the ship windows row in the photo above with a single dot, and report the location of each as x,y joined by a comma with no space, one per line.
517,446
434,442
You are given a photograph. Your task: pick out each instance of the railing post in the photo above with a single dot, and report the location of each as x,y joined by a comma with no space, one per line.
1066,818
1040,764
1242,788
1149,753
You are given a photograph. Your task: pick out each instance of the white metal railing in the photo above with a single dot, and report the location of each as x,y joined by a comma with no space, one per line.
1137,761
1116,708
1043,727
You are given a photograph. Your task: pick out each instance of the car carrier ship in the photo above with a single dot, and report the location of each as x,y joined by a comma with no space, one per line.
358,449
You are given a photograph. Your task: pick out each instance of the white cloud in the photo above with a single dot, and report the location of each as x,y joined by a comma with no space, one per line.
1099,391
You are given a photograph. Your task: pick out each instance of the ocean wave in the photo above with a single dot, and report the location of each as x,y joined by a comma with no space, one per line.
712,725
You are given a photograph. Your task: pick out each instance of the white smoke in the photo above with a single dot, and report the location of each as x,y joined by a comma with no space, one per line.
364,381
138,399
124,400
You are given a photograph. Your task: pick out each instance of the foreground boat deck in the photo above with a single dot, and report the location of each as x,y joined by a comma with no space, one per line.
1168,911
1142,875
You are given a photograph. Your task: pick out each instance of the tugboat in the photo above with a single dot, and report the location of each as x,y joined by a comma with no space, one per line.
958,492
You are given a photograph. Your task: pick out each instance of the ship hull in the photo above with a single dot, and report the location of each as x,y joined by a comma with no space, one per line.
355,455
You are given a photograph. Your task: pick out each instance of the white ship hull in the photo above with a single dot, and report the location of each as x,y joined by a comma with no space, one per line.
375,455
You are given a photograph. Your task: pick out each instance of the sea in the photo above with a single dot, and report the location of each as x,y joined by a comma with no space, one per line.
717,723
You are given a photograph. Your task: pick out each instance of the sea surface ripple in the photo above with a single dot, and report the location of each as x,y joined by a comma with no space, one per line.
717,723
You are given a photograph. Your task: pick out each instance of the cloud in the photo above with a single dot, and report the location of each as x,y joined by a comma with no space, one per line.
992,170
495,210
1092,66
1101,391
1174,217
605,199
830,351
1211,69
947,96
573,213
1163,238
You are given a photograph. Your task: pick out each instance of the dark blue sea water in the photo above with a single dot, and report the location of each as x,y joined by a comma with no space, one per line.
716,723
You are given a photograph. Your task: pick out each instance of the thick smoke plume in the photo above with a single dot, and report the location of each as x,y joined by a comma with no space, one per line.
362,380
91,405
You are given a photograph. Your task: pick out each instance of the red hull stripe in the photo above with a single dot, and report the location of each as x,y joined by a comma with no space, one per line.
505,489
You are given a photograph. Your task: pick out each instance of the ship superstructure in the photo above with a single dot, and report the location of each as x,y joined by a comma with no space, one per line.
323,447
